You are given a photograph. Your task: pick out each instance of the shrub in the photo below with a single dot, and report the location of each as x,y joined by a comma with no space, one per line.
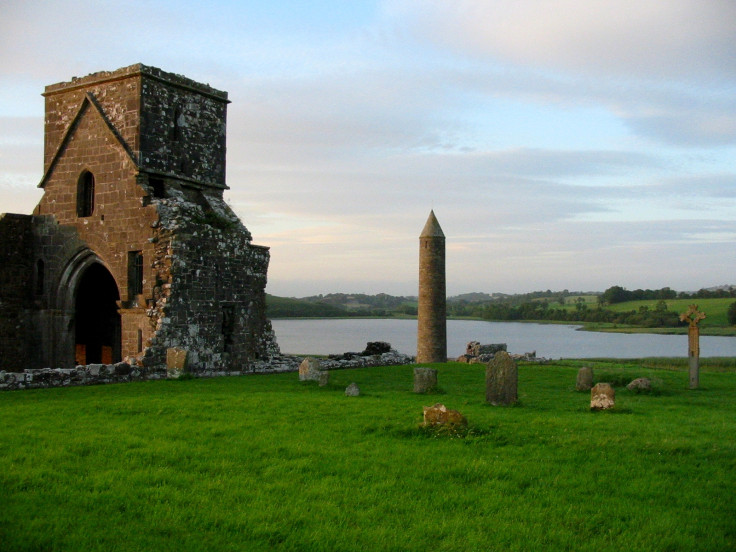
731,314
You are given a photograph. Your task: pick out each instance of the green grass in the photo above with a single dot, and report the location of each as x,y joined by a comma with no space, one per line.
269,463
715,309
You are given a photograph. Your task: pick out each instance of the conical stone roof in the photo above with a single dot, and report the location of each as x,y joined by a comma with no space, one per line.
432,228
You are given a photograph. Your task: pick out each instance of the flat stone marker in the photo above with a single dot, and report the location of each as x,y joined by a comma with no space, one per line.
425,380
324,378
640,384
501,380
352,390
310,369
602,397
439,414
584,381
176,362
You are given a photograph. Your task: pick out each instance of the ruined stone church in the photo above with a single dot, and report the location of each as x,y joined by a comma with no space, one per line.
132,250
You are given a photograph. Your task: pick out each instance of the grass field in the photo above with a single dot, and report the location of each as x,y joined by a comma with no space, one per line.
269,463
715,309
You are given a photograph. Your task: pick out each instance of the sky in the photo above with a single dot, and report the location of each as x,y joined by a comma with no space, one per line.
561,144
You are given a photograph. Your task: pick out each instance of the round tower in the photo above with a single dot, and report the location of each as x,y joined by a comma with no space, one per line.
432,316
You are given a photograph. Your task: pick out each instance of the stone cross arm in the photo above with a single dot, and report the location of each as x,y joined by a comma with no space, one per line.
692,316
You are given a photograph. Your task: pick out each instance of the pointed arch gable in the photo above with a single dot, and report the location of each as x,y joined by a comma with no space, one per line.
88,102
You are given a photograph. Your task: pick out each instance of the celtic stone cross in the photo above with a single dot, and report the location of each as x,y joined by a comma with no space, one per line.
693,317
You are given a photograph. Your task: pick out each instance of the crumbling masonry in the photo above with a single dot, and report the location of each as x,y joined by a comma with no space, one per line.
132,250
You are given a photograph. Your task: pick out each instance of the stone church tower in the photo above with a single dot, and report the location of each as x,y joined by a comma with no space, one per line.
432,314
132,249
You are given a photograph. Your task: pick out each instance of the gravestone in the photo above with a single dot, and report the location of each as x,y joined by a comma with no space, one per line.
176,362
352,390
602,397
324,378
584,381
439,414
501,380
310,369
425,380
640,384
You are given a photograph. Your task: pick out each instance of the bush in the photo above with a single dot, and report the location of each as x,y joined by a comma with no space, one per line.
731,314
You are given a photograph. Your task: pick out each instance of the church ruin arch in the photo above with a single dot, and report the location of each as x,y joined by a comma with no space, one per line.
96,317
89,299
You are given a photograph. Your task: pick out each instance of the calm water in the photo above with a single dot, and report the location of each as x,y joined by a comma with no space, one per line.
321,337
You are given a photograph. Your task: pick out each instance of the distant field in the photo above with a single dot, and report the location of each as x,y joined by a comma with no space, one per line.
269,463
715,309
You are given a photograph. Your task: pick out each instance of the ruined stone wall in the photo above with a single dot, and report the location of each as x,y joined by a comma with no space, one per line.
16,287
213,301
183,133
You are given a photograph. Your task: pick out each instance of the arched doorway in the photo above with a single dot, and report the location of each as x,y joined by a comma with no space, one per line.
96,317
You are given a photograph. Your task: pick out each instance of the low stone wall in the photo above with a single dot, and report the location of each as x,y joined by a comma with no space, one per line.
391,358
122,372
92,374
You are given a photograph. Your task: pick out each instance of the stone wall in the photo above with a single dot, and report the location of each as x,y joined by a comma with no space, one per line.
211,297
16,287
123,372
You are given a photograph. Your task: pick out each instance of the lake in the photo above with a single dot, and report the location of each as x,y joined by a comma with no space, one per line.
328,336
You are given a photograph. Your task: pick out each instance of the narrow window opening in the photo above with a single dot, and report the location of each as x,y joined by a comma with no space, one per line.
175,125
85,194
228,326
140,340
135,274
157,186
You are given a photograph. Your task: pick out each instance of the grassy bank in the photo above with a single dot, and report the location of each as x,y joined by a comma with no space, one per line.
269,463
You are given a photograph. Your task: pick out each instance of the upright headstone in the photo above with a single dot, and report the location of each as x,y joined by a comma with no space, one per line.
352,390
693,317
584,380
432,309
501,380
309,369
425,380
177,362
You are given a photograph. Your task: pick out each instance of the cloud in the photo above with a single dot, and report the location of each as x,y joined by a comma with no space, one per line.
652,39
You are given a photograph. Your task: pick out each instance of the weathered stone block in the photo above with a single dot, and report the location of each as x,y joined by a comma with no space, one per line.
425,380
640,384
352,390
501,380
439,414
324,378
310,369
376,348
584,380
177,362
602,397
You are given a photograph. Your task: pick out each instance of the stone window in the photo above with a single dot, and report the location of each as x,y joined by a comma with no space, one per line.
135,274
157,187
85,194
175,125
228,326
